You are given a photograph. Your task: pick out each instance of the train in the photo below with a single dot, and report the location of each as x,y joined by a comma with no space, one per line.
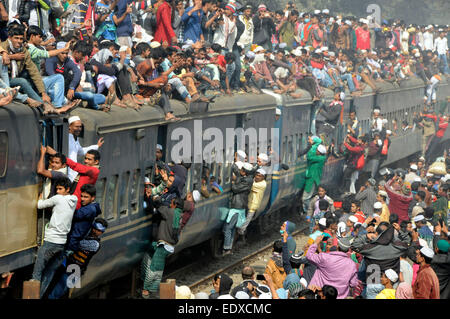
128,155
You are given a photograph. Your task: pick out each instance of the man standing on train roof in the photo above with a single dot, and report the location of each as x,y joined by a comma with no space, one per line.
87,173
315,158
75,149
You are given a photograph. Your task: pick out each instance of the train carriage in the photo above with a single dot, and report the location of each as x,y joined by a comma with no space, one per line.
128,155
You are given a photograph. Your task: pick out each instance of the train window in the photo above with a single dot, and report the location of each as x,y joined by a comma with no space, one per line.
284,149
290,149
123,194
110,197
134,192
100,195
3,153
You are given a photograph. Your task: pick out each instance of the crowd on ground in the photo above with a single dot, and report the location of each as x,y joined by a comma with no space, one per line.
389,240
63,54
124,53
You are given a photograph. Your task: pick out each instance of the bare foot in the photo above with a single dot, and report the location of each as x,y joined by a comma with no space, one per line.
119,103
296,95
49,109
33,103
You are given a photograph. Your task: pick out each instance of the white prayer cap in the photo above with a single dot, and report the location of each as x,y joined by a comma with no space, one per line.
242,295
282,45
250,54
353,219
365,21
342,95
146,179
341,228
258,49
418,218
159,147
322,149
348,22
413,167
265,296
247,166
391,274
378,205
323,221
417,179
388,132
241,155
316,11
74,119
382,193
155,44
227,296
60,45
364,51
123,48
263,157
324,49
196,195
277,111
318,51
326,11
427,252
384,121
183,292
331,53
376,110
429,174
376,215
261,171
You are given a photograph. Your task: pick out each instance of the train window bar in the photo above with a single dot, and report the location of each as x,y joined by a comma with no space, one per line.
135,191
111,197
3,153
123,195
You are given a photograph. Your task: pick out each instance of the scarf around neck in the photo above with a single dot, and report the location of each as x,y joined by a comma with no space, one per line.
14,67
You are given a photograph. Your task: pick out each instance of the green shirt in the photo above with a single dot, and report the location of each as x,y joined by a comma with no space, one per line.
37,54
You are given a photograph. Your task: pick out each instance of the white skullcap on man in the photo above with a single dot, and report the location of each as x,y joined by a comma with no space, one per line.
413,167
263,157
391,274
241,155
322,149
155,44
427,251
326,11
382,193
316,11
277,111
196,195
261,171
378,205
159,147
323,221
247,166
74,119
418,218
353,219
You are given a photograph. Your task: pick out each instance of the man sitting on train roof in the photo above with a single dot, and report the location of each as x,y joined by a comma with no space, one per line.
87,173
17,59
75,149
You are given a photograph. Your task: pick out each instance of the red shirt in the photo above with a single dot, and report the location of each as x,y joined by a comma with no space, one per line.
164,30
362,39
88,175
361,217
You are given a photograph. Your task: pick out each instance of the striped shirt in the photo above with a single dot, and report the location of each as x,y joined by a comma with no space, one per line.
37,54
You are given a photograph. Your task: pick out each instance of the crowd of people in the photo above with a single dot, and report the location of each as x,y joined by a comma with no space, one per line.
58,55
389,240
62,54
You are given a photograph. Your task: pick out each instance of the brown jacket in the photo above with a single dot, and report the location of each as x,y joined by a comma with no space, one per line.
426,285
27,64
277,273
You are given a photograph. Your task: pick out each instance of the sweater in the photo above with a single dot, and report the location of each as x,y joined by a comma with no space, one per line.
88,175
62,212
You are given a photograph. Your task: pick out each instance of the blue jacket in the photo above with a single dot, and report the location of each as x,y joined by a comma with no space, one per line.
81,224
69,65
192,25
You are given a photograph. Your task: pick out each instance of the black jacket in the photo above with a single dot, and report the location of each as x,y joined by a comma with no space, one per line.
241,188
165,229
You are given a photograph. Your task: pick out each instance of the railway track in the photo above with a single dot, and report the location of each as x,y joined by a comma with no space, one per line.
236,266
